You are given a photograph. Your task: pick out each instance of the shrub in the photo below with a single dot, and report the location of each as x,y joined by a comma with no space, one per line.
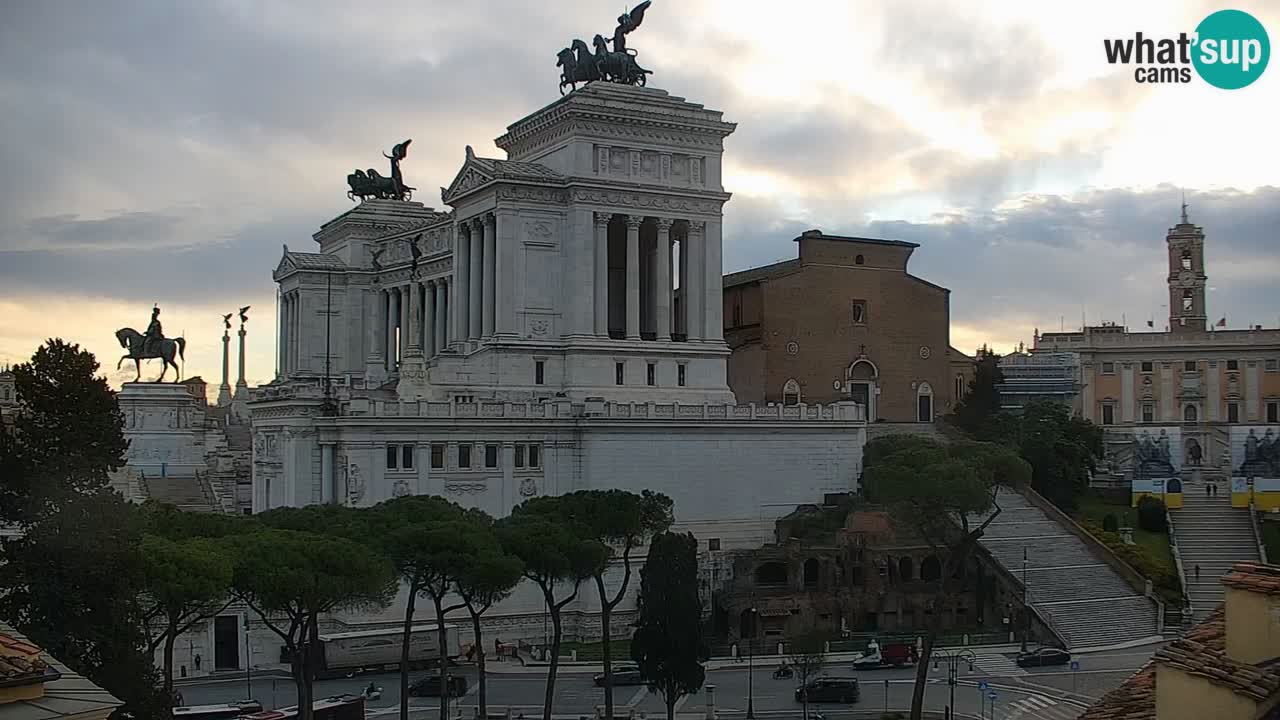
1151,514
1110,523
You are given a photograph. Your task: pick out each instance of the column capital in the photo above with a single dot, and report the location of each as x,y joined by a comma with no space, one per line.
664,224
490,219
634,221
697,227
602,219
477,222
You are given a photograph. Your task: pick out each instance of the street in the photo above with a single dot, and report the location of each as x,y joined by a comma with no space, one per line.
1019,693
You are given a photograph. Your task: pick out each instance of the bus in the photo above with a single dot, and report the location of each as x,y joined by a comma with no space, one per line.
338,707
217,712
349,653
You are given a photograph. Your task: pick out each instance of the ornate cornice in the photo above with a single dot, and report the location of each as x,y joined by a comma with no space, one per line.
646,201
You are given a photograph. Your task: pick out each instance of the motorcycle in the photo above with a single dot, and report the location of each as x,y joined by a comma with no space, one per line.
373,692
783,673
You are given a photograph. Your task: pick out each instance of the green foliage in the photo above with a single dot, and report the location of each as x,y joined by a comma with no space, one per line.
981,402
667,641
1151,514
551,550
1110,523
72,584
169,522
823,523
1164,579
67,437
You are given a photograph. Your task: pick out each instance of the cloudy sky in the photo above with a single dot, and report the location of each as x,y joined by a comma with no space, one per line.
162,151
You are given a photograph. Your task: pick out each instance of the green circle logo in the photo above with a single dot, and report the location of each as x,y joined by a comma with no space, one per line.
1232,49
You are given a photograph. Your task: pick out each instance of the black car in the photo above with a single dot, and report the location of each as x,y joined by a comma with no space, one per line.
829,689
1043,656
429,686
622,675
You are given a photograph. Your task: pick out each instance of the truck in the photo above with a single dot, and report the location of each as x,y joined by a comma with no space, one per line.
338,707
349,653
891,654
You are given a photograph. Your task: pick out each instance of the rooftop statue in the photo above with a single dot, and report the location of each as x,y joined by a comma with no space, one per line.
369,184
580,65
152,344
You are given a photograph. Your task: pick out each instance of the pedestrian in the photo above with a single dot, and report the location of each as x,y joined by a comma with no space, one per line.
1215,490
1197,573
1207,491
177,699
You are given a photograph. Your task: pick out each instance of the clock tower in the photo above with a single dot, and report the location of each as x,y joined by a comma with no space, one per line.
1187,314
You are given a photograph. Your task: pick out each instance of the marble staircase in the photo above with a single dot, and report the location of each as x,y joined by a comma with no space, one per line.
1085,601
1213,536
186,492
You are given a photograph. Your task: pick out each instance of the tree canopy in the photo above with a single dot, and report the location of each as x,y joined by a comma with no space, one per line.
667,643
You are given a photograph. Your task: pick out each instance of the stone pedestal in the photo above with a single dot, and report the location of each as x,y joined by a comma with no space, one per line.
164,424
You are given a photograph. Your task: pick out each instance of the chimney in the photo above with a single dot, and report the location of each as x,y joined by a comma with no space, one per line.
1253,612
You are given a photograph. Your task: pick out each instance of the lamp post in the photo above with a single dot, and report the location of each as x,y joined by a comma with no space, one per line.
1026,615
751,653
953,660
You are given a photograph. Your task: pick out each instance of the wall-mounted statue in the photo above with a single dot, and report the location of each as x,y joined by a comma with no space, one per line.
369,184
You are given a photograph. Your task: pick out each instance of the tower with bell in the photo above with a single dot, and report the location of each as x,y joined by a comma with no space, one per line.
1187,313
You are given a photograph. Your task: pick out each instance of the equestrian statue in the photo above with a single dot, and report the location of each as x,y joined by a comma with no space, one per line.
152,344
580,65
369,184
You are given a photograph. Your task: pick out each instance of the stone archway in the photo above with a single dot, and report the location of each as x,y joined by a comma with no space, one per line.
924,402
861,380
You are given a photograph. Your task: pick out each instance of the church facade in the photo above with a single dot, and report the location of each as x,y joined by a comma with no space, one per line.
558,328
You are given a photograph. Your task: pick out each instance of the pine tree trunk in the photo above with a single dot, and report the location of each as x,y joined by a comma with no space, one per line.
443,637
922,674
671,706
555,659
405,643
168,665
606,641
484,706
312,645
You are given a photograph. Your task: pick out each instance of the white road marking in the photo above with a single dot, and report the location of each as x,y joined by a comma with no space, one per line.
635,699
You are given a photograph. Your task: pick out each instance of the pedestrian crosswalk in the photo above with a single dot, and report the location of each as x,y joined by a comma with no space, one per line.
1038,707
998,664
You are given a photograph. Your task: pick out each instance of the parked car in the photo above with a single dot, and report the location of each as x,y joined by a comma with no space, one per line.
622,675
830,689
1043,656
429,686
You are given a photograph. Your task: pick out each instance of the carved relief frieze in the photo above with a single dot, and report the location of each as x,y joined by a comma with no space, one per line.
668,203
524,193
464,488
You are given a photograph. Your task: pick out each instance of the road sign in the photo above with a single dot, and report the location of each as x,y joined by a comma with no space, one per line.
982,685
1075,664
992,695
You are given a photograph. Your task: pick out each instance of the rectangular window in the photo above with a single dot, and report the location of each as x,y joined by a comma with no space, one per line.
1233,364
617,373
491,456
1146,366
1273,412
392,456
1148,413
680,375
1108,414
538,369
649,374
1272,364
519,458
1189,366
534,452
437,456
1108,368
406,457
464,456
713,543
859,312
1233,412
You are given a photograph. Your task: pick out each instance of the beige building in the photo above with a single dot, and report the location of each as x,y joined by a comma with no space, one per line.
1224,668
1193,380
844,321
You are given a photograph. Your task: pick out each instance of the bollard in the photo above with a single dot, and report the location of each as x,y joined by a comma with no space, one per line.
711,702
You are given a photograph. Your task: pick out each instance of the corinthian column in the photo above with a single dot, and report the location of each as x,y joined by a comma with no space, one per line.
224,390
490,274
462,287
662,282
475,306
633,276
602,274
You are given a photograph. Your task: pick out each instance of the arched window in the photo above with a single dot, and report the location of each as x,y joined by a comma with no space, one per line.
771,573
960,387
791,392
811,572
1189,413
6,393
930,569
905,571
1186,259
1188,300
859,260
924,403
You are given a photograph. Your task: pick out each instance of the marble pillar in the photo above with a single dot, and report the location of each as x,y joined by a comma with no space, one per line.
429,319
413,329
490,295
662,282
633,276
601,326
475,305
443,330
462,287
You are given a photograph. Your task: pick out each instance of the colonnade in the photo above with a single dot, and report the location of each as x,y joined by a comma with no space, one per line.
411,319
646,283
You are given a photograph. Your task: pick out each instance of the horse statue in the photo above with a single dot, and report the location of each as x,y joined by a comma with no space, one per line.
166,349
365,184
619,67
579,65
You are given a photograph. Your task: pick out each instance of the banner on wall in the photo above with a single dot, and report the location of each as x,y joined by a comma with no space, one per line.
1255,452
1157,453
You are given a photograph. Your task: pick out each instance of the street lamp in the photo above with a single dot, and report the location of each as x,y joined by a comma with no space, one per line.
751,666
953,660
1026,615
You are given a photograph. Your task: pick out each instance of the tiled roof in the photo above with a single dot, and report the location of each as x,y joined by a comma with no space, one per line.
514,170
316,261
1135,699
1202,651
1262,579
19,658
751,275
70,695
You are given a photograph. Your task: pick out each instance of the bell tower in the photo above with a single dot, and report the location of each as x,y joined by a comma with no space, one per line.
1187,313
